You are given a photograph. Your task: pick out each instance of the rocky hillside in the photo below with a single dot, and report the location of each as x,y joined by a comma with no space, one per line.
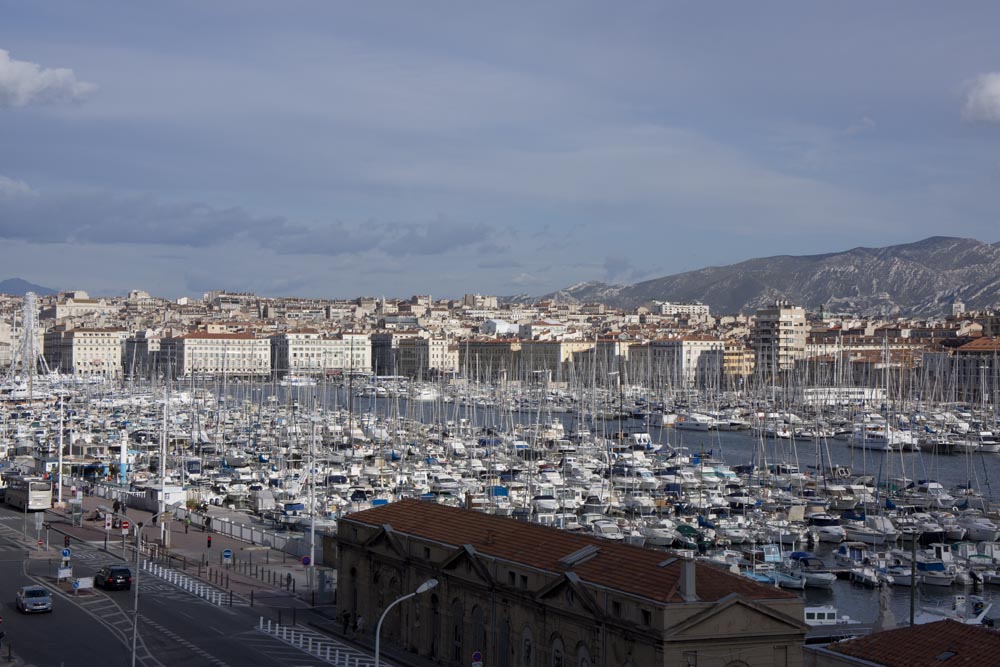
919,279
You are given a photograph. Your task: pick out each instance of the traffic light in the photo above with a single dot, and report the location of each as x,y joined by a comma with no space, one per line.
66,541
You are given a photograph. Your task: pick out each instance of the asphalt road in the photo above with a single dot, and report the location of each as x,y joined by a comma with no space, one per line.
175,627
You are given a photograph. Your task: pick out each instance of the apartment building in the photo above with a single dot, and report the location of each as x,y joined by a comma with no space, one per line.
95,352
202,353
779,339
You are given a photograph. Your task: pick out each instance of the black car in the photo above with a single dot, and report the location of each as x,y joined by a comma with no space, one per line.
114,578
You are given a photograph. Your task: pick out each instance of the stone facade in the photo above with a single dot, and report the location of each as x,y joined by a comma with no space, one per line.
525,595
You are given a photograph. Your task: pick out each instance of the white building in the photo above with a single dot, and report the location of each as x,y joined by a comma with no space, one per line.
85,351
687,309
689,361
201,353
779,338
308,351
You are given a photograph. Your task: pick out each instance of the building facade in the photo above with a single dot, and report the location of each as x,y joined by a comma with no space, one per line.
201,353
524,595
95,352
779,339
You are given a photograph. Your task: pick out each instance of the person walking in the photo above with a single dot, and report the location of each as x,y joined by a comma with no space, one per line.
115,506
187,524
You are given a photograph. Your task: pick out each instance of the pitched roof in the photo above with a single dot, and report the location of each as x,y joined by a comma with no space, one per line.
942,644
642,572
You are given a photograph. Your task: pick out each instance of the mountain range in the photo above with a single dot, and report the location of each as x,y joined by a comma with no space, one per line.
914,279
19,287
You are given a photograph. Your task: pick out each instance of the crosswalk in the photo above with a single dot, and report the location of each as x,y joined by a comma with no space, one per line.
327,649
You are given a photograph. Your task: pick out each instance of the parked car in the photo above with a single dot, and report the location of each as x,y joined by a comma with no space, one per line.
114,578
31,599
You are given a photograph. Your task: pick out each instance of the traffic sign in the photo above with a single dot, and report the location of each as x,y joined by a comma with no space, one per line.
125,525
107,522
66,553
76,583
477,659
305,560
41,542
227,553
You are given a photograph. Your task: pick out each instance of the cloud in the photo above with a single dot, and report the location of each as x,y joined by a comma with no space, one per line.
982,99
106,219
24,83
12,188
864,124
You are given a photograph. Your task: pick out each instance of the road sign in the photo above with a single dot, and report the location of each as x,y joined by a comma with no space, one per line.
125,525
66,553
76,583
305,560
227,553
107,522
477,659
39,520
41,542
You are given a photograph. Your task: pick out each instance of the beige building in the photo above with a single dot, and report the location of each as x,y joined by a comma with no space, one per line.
694,360
85,351
489,358
426,357
525,595
201,353
779,339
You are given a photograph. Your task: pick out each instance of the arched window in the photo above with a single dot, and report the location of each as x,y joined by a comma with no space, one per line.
457,629
527,653
435,625
558,657
478,630
503,644
582,655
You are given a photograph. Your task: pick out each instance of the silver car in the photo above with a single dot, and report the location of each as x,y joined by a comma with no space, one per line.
31,599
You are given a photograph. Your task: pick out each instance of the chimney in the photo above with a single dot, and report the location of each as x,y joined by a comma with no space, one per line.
687,582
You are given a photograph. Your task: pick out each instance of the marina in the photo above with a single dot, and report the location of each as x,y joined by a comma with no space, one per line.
824,515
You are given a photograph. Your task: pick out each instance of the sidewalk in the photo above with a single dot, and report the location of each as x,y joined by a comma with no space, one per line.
275,579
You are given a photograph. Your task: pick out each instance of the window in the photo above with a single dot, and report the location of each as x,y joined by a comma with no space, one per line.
558,658
616,608
527,648
524,581
647,617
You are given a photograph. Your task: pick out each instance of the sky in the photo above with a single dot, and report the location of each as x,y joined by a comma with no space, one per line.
337,149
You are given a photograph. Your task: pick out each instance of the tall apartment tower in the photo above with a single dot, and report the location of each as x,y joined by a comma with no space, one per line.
779,338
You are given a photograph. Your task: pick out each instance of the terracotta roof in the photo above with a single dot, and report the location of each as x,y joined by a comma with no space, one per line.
941,644
623,567
981,345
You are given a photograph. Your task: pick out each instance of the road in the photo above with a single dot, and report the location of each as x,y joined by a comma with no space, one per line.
95,627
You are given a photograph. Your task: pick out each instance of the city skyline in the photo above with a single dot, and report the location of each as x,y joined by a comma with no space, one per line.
332,151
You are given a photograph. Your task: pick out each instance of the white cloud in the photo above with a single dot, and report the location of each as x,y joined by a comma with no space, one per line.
13,188
862,125
982,99
24,83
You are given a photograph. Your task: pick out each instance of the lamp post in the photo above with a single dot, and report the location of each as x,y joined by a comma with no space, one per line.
423,588
135,581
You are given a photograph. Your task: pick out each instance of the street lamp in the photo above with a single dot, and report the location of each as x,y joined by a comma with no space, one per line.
135,580
423,588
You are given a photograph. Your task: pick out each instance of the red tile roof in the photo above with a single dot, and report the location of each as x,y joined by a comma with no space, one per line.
926,646
627,568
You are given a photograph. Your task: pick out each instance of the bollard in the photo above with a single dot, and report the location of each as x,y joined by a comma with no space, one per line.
268,626
336,657
260,626
310,645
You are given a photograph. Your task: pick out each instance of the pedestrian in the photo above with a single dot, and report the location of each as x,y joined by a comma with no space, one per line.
124,510
115,506
187,524
209,541
208,524
345,621
154,519
359,625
